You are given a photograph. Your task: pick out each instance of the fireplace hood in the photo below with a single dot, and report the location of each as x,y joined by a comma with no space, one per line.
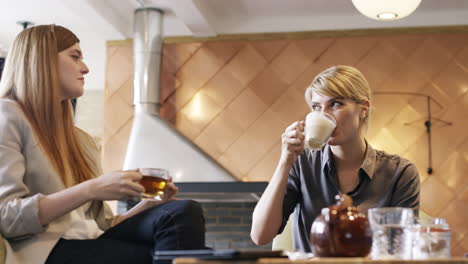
154,142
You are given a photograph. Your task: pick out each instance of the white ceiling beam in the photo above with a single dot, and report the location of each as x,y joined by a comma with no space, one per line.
196,15
118,16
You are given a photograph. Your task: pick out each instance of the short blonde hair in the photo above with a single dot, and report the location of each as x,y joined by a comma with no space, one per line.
341,81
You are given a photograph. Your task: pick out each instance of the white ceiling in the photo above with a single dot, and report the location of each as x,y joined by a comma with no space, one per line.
96,21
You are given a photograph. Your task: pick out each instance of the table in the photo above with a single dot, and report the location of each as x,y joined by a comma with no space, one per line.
320,261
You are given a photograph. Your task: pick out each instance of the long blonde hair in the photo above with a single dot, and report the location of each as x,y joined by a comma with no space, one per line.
30,78
342,81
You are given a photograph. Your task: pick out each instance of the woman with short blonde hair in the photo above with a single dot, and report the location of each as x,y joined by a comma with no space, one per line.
51,187
306,181
342,81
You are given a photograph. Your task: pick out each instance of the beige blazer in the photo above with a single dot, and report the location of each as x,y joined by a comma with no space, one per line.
26,175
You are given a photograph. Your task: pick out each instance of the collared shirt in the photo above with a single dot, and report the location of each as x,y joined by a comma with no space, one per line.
384,181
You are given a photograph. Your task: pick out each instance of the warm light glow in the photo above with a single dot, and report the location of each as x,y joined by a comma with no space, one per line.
386,9
464,89
195,109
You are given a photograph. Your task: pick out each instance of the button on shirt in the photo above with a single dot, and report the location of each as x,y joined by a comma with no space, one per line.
384,181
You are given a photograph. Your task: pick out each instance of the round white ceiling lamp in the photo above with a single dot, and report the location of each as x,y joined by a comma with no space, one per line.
386,9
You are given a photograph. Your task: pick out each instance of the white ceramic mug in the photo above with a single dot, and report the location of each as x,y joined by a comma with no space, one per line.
318,128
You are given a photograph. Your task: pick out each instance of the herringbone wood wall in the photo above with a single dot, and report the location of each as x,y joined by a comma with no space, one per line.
235,98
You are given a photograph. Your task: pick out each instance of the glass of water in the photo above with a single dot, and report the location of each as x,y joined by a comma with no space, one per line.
391,232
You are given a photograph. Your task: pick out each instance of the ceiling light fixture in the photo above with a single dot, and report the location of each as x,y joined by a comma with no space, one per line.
386,9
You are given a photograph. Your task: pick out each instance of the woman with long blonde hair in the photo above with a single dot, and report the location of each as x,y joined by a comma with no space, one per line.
306,181
51,186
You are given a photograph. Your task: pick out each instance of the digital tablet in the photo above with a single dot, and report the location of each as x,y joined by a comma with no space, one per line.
218,254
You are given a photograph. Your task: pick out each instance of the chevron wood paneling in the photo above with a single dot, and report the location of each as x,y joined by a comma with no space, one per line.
235,98
118,109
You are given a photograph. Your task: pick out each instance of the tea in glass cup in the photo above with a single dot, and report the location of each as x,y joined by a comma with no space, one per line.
154,181
318,128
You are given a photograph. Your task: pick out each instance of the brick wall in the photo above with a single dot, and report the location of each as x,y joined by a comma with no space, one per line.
228,225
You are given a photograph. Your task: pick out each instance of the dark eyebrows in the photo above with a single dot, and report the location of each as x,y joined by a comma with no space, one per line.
331,100
338,98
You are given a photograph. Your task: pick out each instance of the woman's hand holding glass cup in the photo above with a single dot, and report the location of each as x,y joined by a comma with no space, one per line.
158,189
158,184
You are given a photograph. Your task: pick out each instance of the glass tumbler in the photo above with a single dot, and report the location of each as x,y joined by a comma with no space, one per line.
391,232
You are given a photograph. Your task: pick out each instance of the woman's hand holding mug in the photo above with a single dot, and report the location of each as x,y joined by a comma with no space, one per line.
292,142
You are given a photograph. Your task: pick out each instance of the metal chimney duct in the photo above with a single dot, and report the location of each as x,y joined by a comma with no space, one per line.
147,45
154,142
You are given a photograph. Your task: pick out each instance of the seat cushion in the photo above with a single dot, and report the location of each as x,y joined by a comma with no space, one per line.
284,241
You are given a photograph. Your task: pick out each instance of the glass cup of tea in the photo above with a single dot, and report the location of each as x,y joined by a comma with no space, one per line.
154,181
318,128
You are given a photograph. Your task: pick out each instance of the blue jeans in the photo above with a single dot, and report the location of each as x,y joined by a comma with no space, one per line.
174,225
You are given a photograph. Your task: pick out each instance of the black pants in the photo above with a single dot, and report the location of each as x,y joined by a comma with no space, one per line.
170,226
